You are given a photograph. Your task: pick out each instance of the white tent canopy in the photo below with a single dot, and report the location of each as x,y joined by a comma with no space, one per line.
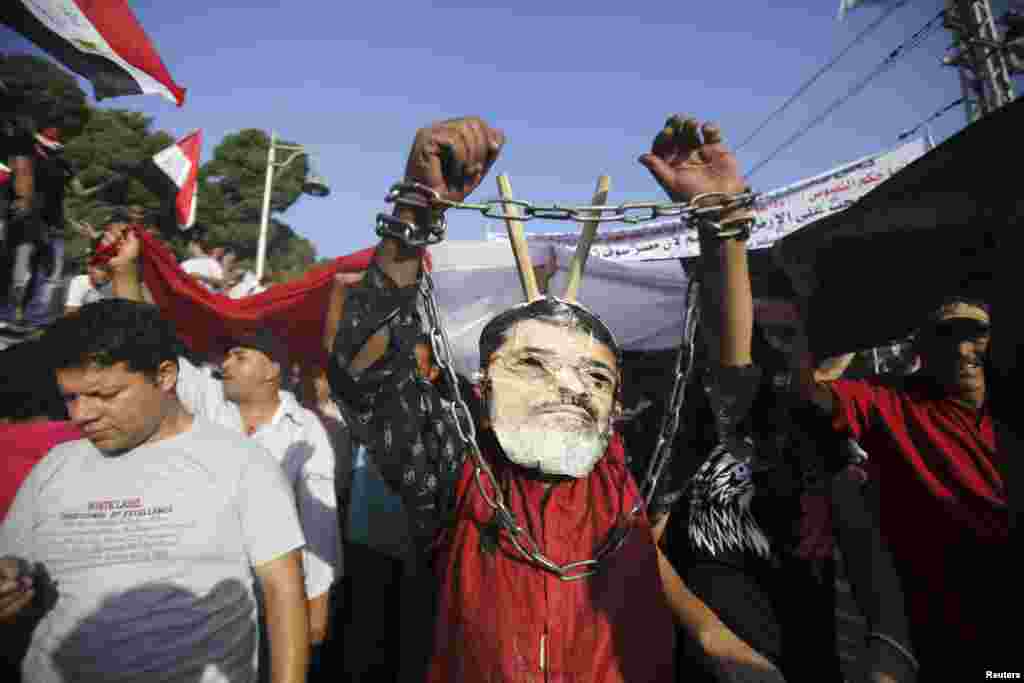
642,302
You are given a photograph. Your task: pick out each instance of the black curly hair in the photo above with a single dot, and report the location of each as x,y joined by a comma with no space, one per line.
113,331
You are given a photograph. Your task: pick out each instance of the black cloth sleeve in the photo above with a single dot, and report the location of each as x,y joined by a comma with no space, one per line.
399,416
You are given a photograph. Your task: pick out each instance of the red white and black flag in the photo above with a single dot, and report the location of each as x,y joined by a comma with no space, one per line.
172,174
100,40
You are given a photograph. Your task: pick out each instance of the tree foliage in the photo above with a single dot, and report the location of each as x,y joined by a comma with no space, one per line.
108,141
231,201
41,93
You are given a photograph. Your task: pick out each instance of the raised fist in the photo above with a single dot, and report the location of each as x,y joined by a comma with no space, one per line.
688,159
452,157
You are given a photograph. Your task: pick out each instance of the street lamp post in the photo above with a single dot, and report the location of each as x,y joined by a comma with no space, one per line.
314,186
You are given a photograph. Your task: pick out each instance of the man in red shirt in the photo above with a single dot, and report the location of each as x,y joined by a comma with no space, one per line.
942,486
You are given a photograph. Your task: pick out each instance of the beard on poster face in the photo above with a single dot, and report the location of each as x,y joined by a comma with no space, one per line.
560,438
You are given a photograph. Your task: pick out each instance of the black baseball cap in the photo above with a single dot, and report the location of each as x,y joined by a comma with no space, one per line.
266,342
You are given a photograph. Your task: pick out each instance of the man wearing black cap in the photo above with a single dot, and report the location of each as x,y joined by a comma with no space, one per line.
248,398
942,485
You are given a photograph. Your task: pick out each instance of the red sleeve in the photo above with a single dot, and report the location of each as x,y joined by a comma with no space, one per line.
855,401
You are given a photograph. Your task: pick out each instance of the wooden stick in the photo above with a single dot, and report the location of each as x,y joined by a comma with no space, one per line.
517,236
587,235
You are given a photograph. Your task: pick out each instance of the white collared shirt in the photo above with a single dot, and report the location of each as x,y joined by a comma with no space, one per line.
298,441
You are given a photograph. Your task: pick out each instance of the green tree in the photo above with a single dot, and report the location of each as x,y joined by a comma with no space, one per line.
114,139
102,144
229,194
231,200
41,95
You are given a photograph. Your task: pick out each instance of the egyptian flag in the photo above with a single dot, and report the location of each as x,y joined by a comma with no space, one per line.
100,40
171,174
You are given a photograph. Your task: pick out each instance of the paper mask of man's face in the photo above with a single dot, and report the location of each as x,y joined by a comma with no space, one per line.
551,392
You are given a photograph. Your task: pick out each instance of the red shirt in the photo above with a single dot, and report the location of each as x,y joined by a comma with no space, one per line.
22,445
502,620
944,511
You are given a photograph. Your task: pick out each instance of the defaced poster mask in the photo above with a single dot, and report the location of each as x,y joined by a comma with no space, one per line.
551,391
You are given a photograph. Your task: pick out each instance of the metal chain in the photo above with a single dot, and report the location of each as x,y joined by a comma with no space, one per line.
420,196
670,420
461,417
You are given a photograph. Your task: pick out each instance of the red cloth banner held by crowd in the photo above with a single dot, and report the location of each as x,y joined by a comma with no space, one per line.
294,311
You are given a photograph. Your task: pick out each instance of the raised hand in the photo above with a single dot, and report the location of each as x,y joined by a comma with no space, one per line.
123,244
688,159
452,157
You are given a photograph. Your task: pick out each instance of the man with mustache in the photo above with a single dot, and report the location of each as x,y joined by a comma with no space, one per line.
568,586
155,528
942,485
249,397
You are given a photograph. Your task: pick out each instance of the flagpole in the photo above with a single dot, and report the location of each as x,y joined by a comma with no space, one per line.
261,250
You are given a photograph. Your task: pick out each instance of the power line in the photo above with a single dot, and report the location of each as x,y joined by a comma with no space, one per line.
822,71
925,122
904,48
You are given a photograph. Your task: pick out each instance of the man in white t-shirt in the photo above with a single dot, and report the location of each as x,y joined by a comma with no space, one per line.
249,400
143,540
202,266
87,288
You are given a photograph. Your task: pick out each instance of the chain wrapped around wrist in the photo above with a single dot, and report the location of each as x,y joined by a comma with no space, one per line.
425,201
410,234
720,224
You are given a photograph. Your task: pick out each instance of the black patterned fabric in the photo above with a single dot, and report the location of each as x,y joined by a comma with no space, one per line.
400,416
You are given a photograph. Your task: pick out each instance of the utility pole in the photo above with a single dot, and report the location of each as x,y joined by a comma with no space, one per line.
979,56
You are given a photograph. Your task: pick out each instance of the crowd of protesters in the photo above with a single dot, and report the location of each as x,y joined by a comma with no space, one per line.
169,517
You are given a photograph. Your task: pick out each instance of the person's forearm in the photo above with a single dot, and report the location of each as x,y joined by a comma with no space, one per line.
810,384
869,565
335,309
831,369
287,620
319,611
399,262
125,282
24,181
727,301
689,611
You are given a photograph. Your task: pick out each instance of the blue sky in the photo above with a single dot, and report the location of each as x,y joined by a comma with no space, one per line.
579,88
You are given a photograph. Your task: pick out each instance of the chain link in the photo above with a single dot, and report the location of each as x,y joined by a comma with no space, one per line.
420,196
521,539
670,420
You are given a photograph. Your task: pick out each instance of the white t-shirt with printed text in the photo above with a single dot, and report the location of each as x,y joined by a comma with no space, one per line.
152,553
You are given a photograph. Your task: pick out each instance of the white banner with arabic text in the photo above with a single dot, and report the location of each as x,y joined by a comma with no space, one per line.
778,212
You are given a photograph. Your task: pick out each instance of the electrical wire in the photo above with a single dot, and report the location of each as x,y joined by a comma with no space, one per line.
944,110
822,71
901,51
